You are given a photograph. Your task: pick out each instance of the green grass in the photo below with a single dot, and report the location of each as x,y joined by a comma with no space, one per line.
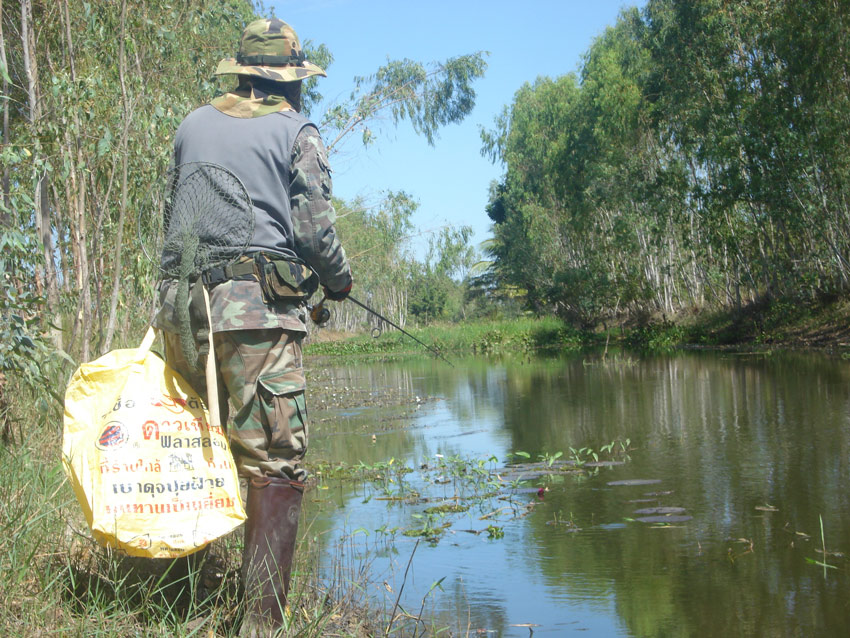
781,323
54,580
523,335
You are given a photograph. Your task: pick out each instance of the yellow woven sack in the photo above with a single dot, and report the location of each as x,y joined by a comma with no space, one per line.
153,478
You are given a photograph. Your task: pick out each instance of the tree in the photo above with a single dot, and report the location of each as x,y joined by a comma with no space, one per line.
93,94
428,97
697,159
436,288
375,239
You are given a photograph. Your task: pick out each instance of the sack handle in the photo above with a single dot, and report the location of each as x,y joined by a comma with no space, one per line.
212,380
146,344
210,372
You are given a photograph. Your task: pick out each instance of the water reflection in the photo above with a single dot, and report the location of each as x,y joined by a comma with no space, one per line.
754,448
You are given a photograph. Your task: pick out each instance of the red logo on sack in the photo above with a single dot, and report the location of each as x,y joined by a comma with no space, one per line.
114,435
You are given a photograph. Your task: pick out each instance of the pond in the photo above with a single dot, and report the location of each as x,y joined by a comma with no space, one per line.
683,495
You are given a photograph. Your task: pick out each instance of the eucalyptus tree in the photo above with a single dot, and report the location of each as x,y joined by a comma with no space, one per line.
437,283
756,95
570,228
527,240
697,159
375,236
427,96
93,92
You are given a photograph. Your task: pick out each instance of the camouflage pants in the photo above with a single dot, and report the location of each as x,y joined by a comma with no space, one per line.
260,374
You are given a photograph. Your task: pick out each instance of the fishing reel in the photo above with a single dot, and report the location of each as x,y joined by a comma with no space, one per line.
319,314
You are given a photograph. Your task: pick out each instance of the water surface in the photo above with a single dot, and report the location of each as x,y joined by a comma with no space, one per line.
751,451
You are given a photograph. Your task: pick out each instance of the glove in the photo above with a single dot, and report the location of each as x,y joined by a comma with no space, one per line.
338,295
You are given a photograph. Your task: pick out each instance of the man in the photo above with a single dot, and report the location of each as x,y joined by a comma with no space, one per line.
258,133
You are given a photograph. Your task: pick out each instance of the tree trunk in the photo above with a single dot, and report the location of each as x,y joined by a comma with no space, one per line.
5,217
41,198
45,233
29,61
122,211
85,271
67,20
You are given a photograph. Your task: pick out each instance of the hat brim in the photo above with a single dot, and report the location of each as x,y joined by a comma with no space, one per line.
229,66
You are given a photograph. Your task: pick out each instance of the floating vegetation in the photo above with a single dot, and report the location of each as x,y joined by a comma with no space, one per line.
664,519
467,484
494,531
431,528
662,511
447,508
634,482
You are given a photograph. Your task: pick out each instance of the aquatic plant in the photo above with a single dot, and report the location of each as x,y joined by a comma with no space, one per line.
549,459
494,531
822,563
583,455
432,526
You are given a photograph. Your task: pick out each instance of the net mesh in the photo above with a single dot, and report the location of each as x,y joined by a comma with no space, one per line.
200,218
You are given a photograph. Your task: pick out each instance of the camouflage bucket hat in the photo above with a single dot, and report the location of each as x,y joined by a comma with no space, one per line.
270,49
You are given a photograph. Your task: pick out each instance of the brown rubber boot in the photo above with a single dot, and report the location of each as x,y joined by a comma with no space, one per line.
273,507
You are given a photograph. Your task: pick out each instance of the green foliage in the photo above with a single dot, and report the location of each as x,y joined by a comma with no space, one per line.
435,290
27,361
427,97
517,336
685,166
310,88
22,352
656,337
495,532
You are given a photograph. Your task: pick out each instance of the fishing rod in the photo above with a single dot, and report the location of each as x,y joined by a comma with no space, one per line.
321,315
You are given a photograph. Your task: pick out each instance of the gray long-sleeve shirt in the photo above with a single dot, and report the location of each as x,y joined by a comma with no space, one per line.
282,161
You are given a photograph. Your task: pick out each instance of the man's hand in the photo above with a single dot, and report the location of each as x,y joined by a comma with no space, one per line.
338,295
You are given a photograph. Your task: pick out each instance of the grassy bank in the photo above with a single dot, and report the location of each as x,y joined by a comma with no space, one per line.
54,580
779,324
783,324
522,335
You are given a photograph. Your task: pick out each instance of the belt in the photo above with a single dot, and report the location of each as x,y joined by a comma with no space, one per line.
241,271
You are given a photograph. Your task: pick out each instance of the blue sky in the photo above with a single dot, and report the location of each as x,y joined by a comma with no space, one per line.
450,180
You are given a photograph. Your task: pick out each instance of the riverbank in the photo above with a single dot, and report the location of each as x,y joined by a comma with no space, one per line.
519,335
779,325
56,580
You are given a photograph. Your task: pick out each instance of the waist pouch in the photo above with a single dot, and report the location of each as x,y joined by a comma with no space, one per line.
284,279
280,278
